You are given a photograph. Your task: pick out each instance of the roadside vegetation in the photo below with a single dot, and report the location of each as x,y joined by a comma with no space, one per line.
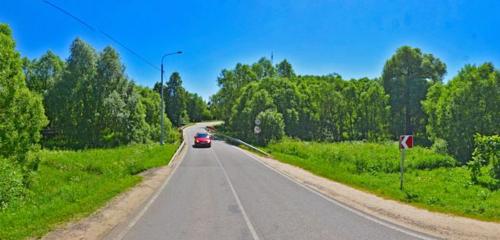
432,180
345,129
74,133
73,184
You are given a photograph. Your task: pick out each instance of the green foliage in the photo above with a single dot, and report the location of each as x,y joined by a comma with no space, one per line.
150,99
21,112
285,69
94,104
467,105
406,78
312,107
196,108
272,126
440,146
486,151
11,183
73,184
42,74
176,100
430,180
359,157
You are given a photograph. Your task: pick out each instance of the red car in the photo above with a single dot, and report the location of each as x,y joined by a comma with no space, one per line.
202,140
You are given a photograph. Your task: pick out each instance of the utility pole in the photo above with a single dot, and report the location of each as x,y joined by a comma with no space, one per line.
162,113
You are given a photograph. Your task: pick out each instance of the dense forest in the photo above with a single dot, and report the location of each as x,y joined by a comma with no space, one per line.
409,97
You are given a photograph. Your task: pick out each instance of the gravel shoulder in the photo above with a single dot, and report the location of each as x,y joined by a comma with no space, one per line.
421,220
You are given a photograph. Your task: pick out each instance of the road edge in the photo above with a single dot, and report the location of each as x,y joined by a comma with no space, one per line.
113,219
451,227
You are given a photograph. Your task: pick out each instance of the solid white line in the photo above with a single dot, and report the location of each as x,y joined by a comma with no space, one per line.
245,216
355,211
155,196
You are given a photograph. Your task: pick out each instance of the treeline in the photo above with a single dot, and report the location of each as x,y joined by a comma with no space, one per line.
409,98
90,102
86,101
182,106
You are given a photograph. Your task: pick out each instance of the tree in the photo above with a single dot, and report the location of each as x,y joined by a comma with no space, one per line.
73,97
231,83
150,99
176,100
263,68
406,77
285,70
21,112
95,104
43,73
467,105
197,109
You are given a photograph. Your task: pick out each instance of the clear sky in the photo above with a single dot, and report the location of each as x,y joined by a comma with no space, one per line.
352,38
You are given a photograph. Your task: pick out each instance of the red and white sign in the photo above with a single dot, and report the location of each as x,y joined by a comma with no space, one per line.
406,141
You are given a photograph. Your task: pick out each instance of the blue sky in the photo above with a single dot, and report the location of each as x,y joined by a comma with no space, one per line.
352,38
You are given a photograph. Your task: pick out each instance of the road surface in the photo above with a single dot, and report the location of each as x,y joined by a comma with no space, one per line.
222,193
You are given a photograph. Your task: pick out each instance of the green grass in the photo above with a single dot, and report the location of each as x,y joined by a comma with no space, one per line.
73,184
432,181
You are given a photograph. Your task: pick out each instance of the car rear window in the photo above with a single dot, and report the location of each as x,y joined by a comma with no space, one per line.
202,135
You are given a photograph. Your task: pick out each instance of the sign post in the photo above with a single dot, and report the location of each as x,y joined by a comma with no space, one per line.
257,129
405,142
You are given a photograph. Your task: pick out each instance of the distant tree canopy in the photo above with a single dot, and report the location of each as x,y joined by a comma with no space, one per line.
182,106
410,97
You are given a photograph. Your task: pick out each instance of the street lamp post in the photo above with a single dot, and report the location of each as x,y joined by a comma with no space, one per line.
161,96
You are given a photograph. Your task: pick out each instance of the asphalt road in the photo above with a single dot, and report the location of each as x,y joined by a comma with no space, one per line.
222,193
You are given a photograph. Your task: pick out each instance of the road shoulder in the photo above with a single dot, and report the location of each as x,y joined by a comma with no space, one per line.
420,220
115,217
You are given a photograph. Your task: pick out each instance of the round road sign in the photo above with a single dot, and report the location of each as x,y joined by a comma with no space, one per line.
256,129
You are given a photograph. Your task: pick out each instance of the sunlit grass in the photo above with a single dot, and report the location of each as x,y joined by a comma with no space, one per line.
431,180
73,184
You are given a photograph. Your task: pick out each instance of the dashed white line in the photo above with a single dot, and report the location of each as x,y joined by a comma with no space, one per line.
245,216
357,212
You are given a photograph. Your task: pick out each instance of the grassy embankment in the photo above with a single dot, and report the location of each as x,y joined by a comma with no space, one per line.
73,184
432,180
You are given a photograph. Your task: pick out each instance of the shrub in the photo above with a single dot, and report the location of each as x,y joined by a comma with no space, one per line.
11,183
272,126
440,146
486,151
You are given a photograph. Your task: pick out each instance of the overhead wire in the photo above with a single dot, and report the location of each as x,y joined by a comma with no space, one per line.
103,33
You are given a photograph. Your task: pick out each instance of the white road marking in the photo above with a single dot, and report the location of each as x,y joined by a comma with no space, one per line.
155,196
245,216
357,212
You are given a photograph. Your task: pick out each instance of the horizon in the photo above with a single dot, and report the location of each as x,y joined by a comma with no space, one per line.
214,37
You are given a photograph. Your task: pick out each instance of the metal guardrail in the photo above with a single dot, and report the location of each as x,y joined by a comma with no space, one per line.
239,141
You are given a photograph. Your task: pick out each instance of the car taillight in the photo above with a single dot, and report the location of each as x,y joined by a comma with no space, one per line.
196,140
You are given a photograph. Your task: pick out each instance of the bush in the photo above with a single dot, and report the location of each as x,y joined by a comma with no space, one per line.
11,183
440,146
486,151
272,126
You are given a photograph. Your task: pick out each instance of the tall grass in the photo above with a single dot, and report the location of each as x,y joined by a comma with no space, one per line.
73,184
432,180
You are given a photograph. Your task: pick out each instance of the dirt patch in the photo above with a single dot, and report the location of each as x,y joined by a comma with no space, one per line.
421,220
113,218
